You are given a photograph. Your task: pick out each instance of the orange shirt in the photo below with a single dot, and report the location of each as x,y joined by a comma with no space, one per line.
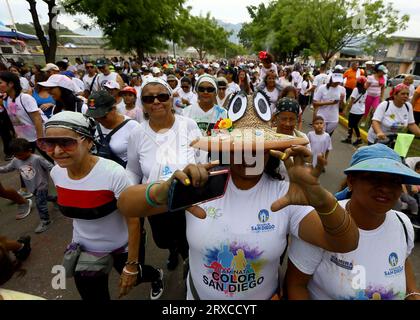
351,76
416,106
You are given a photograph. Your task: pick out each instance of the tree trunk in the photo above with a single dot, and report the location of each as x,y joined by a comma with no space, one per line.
38,29
140,53
52,32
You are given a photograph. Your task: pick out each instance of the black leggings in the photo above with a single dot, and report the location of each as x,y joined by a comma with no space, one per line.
6,132
354,120
96,287
169,231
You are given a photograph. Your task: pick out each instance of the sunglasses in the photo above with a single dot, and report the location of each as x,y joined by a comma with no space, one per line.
65,143
90,67
206,89
162,97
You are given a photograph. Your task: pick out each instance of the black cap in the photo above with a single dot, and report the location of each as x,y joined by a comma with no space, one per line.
101,62
99,104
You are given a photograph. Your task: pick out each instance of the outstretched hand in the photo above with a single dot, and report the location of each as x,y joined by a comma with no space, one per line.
304,188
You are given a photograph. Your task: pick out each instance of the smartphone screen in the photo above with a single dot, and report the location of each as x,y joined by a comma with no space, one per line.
182,197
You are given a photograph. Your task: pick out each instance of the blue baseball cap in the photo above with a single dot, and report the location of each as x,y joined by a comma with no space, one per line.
382,159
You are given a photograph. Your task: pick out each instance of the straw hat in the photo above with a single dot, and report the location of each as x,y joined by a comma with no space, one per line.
247,128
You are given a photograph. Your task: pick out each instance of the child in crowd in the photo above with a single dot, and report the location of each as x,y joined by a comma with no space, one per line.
320,140
35,173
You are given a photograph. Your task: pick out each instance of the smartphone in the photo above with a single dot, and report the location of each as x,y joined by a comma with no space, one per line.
181,197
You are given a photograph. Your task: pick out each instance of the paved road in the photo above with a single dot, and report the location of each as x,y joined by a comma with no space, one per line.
48,247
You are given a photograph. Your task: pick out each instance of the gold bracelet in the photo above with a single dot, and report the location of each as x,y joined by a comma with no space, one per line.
340,232
336,228
329,213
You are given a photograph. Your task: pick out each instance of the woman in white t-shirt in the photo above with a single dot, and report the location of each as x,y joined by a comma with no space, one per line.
131,108
268,65
271,90
327,100
156,149
357,110
379,269
105,237
236,241
393,116
22,109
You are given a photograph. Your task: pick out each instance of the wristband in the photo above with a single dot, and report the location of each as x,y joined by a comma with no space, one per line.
412,294
150,202
330,212
132,263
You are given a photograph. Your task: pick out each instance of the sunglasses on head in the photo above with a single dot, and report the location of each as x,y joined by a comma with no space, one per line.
206,89
162,97
65,143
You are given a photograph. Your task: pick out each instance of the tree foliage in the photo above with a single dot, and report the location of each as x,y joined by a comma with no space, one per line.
324,26
140,25
205,35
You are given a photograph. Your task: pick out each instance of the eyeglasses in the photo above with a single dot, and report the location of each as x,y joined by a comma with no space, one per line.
206,89
162,97
65,143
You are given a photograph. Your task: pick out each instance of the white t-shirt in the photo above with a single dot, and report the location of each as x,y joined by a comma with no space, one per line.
274,97
297,79
21,121
359,106
232,88
79,85
265,71
320,143
136,113
102,79
24,83
205,120
323,94
394,120
320,80
380,256
156,156
304,87
119,140
190,96
87,81
95,192
235,251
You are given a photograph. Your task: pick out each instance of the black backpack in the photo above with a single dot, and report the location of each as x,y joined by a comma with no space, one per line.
103,149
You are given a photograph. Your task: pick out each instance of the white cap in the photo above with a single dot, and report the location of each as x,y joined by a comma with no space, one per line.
251,65
152,80
49,67
58,80
369,62
337,77
111,84
155,70
339,67
72,69
216,65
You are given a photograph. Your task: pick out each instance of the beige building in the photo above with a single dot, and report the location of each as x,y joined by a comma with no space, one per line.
402,56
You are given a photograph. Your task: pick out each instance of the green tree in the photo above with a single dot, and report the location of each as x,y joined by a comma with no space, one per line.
140,25
205,35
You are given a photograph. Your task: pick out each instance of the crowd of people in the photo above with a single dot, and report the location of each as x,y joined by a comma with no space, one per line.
148,123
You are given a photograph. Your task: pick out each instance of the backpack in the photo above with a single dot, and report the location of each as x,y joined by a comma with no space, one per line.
103,149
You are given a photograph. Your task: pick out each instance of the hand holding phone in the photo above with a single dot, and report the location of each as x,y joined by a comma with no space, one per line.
181,197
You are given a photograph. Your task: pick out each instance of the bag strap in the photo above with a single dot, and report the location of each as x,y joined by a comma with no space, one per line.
404,226
355,101
93,82
405,104
23,106
114,131
192,287
387,106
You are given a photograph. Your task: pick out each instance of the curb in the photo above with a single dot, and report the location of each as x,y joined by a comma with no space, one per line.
345,123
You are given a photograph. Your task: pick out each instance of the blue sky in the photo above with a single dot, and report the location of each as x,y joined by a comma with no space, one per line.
233,11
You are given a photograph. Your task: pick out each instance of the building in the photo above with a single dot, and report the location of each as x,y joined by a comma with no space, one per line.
403,56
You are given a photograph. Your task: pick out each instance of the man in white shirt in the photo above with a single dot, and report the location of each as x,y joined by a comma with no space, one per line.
107,75
89,79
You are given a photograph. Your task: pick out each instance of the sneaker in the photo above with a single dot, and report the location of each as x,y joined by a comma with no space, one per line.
23,253
43,226
346,140
157,287
25,194
357,142
172,262
24,209
8,157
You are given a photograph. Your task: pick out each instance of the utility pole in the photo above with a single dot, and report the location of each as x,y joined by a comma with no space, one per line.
11,15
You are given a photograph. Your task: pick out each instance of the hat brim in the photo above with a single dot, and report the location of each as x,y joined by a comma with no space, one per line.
247,140
48,84
97,113
384,165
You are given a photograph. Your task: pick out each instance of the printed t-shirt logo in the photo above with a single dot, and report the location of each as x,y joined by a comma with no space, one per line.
264,225
395,268
233,269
